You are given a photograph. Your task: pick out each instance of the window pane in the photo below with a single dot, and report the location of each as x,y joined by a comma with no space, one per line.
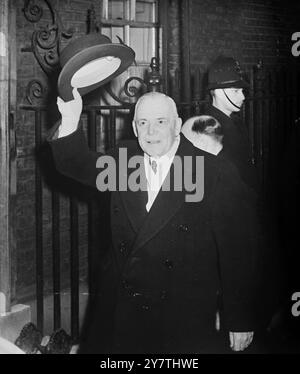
116,9
117,31
113,32
106,31
145,11
142,42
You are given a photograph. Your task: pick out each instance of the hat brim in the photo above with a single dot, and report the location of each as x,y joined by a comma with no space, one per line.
231,84
123,52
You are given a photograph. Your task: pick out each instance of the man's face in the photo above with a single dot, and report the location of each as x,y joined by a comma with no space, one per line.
236,95
156,125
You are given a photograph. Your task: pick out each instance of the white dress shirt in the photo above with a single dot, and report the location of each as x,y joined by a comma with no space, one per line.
155,180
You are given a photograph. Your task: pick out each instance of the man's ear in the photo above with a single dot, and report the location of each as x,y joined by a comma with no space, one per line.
134,128
178,126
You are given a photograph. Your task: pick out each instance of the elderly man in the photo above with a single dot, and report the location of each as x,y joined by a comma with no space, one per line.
169,256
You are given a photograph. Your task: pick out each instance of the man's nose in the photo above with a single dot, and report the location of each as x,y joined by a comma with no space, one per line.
150,128
242,96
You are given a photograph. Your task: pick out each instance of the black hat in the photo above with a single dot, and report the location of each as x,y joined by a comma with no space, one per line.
225,72
90,61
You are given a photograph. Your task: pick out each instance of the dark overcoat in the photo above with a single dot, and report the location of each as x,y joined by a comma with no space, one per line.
237,149
236,146
158,285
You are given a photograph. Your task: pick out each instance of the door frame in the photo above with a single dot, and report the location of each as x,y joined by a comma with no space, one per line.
7,153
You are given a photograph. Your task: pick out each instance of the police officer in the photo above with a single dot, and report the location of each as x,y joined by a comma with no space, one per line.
226,84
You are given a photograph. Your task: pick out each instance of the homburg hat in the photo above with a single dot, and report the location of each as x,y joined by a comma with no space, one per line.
89,62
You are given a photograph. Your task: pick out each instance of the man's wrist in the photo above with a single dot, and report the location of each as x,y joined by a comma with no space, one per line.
67,127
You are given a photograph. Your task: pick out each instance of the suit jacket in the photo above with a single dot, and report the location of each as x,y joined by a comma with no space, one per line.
158,285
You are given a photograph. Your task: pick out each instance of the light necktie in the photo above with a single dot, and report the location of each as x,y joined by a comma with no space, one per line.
153,164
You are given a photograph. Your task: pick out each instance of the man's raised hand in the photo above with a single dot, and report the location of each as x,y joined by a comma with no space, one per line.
70,114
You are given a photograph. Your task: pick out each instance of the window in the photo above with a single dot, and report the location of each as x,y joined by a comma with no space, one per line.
135,22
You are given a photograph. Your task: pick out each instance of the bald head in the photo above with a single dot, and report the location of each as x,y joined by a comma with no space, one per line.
156,98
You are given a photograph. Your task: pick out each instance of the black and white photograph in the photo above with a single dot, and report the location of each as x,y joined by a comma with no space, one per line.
150,180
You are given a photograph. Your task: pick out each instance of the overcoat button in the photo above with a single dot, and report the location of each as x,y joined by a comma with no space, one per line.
145,307
163,295
183,228
169,264
137,294
125,284
116,209
134,260
122,246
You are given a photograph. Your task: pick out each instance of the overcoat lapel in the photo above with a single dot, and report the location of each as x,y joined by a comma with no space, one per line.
164,208
134,202
166,204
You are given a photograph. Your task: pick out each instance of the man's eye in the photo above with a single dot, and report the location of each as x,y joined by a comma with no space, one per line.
161,121
142,123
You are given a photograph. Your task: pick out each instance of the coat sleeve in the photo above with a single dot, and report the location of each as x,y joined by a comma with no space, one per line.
74,159
238,235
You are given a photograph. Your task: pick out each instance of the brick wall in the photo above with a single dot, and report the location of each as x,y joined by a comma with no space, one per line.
249,30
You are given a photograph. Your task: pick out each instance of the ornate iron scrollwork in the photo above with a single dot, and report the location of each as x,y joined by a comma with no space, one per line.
45,43
132,91
152,83
35,91
32,11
